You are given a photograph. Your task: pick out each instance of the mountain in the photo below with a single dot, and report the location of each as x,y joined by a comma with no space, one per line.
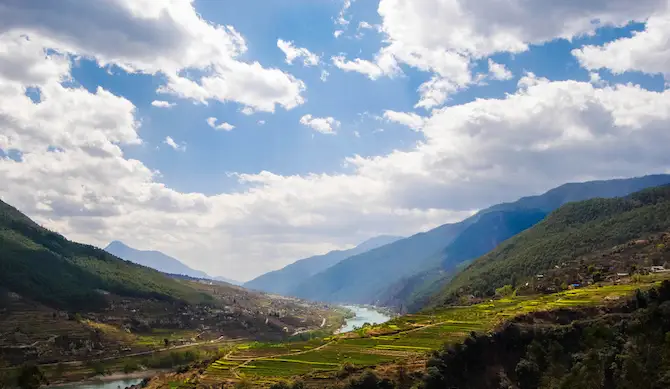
477,239
569,233
359,278
159,261
283,281
44,266
486,232
412,269
227,280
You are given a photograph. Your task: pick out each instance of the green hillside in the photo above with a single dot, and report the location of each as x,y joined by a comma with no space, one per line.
406,272
572,231
44,266
479,238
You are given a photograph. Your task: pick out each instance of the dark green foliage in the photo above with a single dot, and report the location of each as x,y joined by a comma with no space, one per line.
573,230
369,380
628,348
30,377
285,385
42,265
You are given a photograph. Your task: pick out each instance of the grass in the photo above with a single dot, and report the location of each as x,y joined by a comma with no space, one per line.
403,337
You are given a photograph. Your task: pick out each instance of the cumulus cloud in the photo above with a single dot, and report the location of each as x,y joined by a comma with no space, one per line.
411,120
371,69
646,51
211,121
151,37
162,104
292,53
327,125
498,71
75,177
442,37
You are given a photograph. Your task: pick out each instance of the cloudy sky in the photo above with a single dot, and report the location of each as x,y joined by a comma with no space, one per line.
239,136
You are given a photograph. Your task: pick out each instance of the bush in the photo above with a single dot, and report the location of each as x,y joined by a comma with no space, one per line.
505,291
130,367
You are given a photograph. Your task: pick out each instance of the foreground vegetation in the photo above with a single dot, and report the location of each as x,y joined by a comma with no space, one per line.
409,339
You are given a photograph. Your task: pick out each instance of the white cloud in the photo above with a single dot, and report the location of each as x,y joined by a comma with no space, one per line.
170,142
473,155
367,26
411,120
151,37
74,176
371,69
292,53
341,18
327,125
261,122
646,51
338,33
162,104
211,121
444,36
248,111
498,71
357,134
324,75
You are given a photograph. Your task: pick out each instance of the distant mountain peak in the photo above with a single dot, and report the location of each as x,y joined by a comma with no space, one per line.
116,244
159,261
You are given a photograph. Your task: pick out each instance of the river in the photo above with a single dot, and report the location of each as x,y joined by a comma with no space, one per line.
112,384
363,315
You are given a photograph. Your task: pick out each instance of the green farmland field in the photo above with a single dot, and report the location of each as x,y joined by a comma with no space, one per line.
400,338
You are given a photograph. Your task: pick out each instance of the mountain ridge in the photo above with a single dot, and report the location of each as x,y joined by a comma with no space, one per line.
158,261
282,281
368,276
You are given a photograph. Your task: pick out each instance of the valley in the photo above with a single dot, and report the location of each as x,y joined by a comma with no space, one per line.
587,259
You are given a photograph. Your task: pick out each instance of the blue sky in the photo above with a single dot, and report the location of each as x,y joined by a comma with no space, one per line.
426,130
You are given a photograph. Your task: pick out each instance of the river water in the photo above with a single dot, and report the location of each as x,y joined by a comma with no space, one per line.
363,315
115,384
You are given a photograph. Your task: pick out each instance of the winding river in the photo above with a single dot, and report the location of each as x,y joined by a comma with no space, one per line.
363,315
112,384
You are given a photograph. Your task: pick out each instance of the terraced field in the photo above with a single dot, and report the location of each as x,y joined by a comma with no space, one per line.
409,336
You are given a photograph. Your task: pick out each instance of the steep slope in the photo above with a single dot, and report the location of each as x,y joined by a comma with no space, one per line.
359,278
568,233
484,235
386,276
413,292
285,280
46,267
153,259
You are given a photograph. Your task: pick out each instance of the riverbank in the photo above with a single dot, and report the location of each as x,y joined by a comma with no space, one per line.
363,314
111,381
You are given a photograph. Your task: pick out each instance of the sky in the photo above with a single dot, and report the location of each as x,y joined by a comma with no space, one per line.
240,136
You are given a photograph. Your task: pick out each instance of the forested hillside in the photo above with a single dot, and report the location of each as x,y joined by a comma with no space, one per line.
493,225
484,235
44,266
624,347
574,230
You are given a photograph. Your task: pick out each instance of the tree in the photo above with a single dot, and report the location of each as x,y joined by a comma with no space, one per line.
31,377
